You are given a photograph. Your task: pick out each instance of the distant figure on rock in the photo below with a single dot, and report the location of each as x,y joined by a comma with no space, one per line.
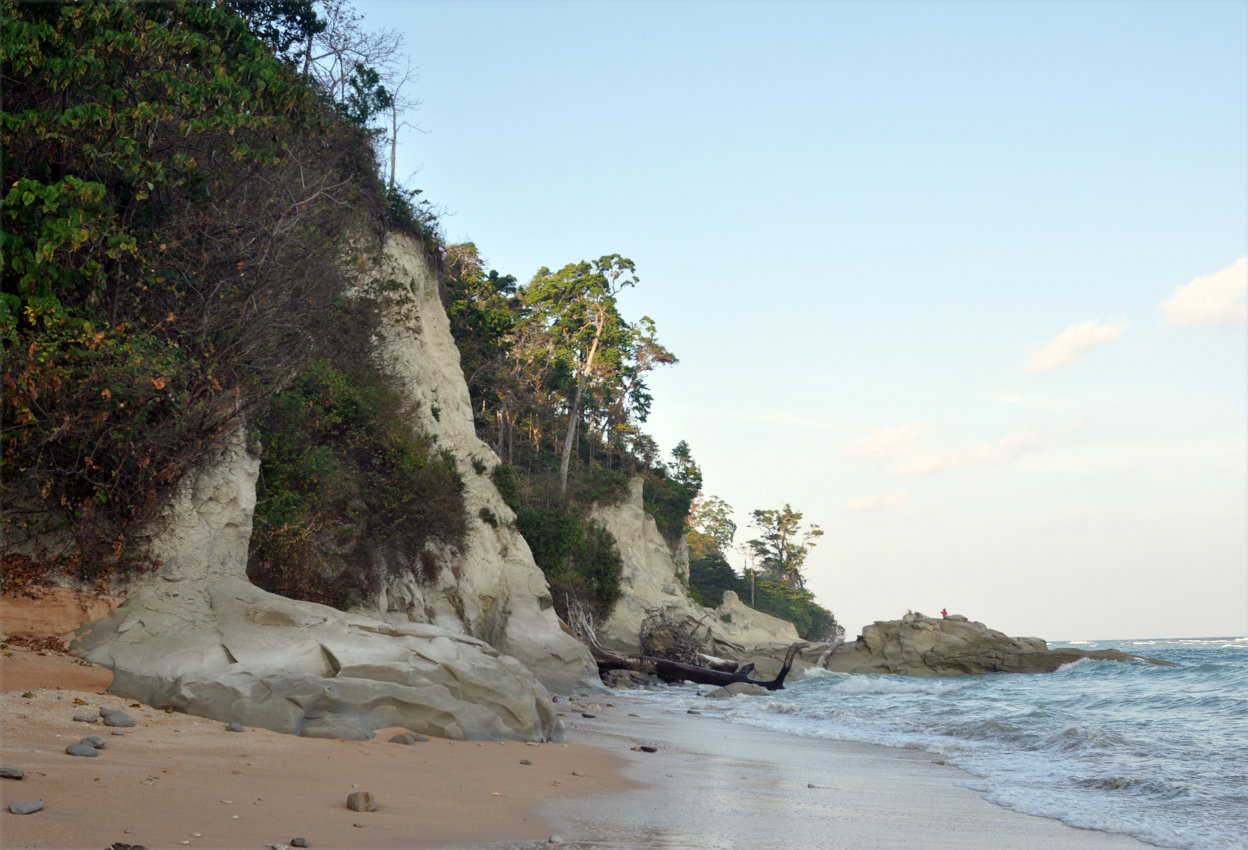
943,613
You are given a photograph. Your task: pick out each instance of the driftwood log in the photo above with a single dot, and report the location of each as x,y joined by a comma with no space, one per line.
675,671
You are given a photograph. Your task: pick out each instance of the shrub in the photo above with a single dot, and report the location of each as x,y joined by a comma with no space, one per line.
340,465
578,556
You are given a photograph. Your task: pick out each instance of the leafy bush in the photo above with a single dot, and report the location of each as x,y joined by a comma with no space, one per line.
668,502
578,556
798,606
709,576
174,211
342,465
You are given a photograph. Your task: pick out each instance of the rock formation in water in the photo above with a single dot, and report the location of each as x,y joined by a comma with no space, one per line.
917,645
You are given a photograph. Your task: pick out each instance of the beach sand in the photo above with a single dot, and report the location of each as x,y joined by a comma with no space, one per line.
175,780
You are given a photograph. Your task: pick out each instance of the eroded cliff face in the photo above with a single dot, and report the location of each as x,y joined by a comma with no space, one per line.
650,581
492,589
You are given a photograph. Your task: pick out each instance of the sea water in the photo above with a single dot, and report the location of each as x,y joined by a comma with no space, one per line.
1158,753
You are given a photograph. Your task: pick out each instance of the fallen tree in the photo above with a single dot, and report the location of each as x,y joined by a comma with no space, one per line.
677,671
679,639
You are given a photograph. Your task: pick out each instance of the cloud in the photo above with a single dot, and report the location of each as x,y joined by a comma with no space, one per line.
877,503
1216,299
989,454
1073,344
885,443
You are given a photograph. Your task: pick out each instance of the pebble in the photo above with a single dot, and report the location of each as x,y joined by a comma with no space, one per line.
119,846
588,714
298,842
26,807
94,741
408,738
235,727
279,847
84,750
120,732
12,773
525,761
361,801
554,839
116,718
85,718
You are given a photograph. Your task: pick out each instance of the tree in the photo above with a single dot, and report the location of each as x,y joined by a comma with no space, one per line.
784,545
576,306
684,469
174,211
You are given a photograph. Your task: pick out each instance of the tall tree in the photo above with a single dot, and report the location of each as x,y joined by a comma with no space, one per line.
784,544
577,307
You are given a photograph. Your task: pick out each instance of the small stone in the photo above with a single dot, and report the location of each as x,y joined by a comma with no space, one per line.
279,847
235,727
12,773
361,801
119,731
587,714
693,711
646,748
94,741
525,762
85,718
26,807
554,839
577,773
116,718
84,750
197,835
298,842
408,738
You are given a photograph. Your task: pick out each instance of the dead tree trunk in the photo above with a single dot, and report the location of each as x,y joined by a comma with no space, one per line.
674,671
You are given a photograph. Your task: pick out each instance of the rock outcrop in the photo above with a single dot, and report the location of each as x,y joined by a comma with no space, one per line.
492,589
197,636
650,582
917,645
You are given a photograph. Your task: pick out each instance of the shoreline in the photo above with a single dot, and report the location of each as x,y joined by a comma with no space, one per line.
708,784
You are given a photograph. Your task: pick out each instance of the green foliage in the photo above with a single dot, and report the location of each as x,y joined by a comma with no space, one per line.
342,464
797,605
167,253
504,478
604,487
784,545
710,575
668,502
578,556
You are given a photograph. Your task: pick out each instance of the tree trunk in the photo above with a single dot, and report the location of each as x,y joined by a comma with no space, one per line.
674,671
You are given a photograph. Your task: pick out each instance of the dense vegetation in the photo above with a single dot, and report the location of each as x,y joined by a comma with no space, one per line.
176,206
181,182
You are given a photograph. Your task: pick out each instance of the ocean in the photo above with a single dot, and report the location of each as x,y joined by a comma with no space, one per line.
1158,753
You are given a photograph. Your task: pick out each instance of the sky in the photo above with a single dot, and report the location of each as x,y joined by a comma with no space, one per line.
964,283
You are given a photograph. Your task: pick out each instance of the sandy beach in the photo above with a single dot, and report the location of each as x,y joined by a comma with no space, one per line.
174,780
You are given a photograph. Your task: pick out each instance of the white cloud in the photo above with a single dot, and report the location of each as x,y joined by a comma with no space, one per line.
989,454
884,443
877,503
1216,299
1073,344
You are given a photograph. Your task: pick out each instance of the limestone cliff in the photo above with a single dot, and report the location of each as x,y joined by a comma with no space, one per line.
197,636
491,589
650,581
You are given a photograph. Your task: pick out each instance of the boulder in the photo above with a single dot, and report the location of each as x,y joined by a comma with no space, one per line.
917,645
198,637
234,653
